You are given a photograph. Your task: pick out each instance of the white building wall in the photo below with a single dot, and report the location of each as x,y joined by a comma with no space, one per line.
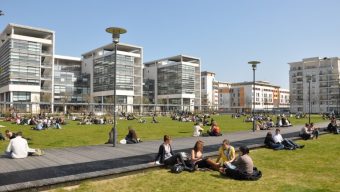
324,88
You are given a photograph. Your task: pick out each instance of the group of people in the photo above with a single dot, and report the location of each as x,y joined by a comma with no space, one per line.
266,122
214,130
39,122
277,142
309,131
241,167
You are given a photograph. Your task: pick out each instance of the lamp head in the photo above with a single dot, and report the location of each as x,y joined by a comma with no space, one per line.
115,31
254,63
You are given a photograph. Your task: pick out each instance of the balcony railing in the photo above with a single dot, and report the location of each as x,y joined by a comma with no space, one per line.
46,88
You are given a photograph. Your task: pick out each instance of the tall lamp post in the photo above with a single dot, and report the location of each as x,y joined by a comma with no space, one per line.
309,78
115,31
337,107
253,65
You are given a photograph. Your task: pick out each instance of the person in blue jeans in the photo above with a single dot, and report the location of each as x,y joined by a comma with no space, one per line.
269,142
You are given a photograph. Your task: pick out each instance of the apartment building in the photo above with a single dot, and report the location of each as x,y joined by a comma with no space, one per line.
224,96
176,82
99,63
318,79
238,97
209,90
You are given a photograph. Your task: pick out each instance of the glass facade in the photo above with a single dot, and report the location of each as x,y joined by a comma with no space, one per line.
176,79
149,91
103,73
69,84
21,96
24,66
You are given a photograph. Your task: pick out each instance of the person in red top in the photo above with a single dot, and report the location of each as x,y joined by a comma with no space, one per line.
214,130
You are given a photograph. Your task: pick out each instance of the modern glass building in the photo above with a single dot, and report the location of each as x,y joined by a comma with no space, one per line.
70,85
99,63
32,78
177,82
26,62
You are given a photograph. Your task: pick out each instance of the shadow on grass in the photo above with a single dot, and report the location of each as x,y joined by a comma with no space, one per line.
184,132
220,176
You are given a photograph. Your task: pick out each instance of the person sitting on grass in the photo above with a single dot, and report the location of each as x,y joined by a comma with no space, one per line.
18,147
226,153
39,126
288,143
154,119
199,161
315,131
167,157
305,133
9,135
214,130
333,127
58,122
242,167
131,137
197,129
270,143
141,120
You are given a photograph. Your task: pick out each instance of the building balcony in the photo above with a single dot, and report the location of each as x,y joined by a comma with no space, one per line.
46,77
46,89
46,65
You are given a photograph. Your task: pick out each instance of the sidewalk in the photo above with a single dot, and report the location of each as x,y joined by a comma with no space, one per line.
78,163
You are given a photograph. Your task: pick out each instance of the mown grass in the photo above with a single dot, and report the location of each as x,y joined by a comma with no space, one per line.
79,135
315,168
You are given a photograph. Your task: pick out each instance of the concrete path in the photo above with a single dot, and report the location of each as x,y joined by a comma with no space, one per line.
78,163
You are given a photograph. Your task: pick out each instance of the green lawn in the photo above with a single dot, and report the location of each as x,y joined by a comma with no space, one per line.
80,135
315,168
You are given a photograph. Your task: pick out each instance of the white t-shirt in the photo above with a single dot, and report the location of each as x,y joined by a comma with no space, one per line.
277,138
18,147
197,129
167,151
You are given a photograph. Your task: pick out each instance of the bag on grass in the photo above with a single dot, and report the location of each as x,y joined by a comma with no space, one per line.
177,168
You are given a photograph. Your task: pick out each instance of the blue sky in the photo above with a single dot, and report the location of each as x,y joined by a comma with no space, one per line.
224,34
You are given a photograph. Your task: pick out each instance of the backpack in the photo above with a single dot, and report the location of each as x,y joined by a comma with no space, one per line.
177,168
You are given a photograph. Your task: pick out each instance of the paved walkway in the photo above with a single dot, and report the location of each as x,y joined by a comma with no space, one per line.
77,163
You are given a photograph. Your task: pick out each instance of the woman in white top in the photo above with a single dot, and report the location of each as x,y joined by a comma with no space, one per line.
197,129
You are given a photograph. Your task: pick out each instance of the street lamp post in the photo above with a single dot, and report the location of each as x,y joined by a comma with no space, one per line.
115,31
337,107
253,65
309,78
